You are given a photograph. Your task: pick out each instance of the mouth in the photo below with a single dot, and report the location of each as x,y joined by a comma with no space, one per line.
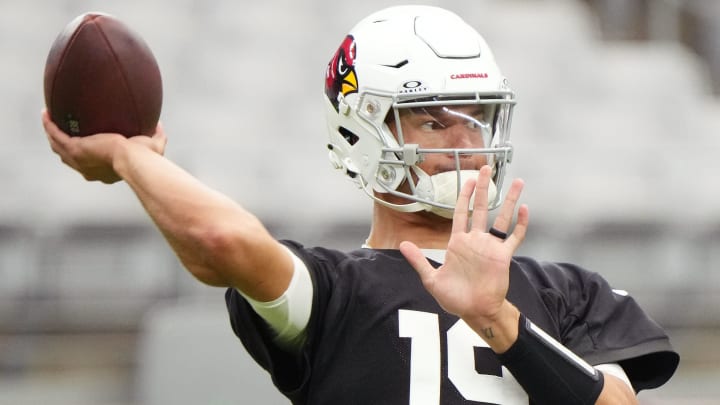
464,165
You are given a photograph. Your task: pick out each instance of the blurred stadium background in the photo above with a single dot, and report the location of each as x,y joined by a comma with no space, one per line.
616,135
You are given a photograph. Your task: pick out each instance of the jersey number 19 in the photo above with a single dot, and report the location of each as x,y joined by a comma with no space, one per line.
423,328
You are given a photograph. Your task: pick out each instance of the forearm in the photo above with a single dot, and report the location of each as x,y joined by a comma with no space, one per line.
547,371
219,242
180,205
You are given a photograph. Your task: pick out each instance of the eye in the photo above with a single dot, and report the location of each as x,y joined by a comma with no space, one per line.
431,125
477,124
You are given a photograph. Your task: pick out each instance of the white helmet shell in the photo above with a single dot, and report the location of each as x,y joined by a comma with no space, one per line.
408,57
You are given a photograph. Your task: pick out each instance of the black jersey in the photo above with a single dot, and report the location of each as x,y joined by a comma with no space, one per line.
376,336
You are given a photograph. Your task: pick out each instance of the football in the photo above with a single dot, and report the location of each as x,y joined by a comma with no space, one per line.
100,76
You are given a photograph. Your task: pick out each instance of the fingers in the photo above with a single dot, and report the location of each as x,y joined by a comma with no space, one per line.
160,138
504,219
56,137
50,128
417,260
507,210
155,142
460,216
160,133
45,117
518,234
480,206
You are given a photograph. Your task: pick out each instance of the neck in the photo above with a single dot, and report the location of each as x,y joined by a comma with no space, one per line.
390,227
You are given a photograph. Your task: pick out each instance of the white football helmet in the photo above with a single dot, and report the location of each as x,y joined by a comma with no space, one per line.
416,61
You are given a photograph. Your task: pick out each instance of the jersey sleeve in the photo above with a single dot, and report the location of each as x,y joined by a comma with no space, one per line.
290,371
258,339
603,325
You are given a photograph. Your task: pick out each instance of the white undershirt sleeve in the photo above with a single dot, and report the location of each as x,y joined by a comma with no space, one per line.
616,370
289,314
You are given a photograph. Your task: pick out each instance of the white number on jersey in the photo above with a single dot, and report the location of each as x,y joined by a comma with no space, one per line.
423,328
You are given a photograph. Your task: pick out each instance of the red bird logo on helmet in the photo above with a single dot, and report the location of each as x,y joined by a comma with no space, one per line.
340,74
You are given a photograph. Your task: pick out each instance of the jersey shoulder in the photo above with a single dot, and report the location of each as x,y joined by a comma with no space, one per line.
559,276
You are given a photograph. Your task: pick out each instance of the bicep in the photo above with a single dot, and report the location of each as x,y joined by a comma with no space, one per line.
289,314
250,260
267,276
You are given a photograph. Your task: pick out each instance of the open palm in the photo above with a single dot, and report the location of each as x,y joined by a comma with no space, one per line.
474,279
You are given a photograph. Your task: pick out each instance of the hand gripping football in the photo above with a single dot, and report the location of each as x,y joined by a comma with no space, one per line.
102,77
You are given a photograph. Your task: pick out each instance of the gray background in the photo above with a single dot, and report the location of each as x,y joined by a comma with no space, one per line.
616,136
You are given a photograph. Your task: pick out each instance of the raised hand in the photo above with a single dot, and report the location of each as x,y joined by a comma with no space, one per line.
473,281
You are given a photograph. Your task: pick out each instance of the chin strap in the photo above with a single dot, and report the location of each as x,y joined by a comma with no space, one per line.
436,193
410,207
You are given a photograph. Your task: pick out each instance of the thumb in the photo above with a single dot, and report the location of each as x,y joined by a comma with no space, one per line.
417,260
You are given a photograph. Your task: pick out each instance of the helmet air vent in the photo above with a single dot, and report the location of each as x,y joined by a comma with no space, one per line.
399,64
348,135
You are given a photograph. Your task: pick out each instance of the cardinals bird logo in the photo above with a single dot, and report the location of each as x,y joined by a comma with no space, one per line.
340,75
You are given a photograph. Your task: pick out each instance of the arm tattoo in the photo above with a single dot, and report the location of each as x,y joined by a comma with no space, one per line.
488,333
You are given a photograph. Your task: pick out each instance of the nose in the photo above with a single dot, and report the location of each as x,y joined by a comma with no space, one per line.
460,136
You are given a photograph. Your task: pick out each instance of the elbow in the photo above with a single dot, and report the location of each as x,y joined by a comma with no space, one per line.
221,251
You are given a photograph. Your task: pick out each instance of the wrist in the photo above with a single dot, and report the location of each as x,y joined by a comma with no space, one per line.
500,330
120,155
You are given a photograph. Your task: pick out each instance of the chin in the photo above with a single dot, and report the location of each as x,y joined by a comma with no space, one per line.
436,218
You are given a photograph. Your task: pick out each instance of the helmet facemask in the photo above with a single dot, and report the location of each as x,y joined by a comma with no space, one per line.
438,143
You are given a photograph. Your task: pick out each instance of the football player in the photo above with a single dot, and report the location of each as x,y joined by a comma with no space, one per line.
434,308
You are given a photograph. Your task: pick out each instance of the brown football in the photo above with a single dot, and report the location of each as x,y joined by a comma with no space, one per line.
100,76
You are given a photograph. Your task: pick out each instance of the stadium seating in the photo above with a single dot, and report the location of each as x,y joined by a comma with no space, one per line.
617,142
